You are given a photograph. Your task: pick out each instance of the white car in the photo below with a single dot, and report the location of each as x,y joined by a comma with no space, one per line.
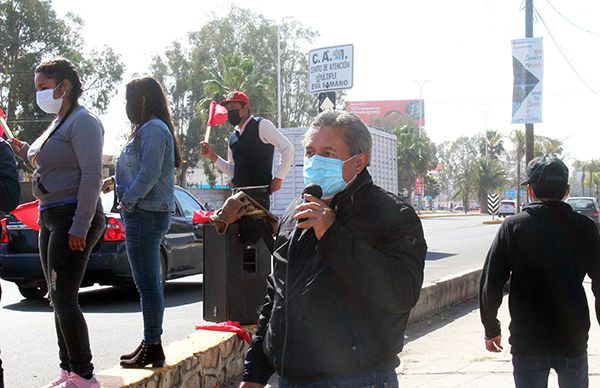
507,207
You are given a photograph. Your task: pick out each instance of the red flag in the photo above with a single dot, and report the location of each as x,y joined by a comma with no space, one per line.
201,217
217,114
28,214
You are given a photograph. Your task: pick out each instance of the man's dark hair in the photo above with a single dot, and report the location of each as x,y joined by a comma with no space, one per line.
549,190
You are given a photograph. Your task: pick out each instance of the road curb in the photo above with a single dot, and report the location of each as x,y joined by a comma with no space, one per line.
446,292
207,358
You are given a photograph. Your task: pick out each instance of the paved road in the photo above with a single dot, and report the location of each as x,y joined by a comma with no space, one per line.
456,244
28,341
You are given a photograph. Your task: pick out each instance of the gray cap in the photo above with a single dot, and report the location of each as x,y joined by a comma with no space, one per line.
547,168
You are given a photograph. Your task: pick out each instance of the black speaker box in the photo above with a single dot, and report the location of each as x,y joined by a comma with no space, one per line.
235,275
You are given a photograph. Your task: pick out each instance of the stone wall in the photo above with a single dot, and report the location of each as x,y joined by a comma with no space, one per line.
203,360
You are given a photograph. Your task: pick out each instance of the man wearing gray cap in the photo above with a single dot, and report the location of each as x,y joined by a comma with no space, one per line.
545,251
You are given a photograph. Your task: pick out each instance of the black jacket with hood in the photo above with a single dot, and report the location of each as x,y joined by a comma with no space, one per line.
546,251
342,304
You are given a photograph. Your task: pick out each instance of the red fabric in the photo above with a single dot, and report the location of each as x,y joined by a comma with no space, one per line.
2,114
230,326
201,216
28,214
3,118
217,114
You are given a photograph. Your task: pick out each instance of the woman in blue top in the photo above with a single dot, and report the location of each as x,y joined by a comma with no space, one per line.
145,191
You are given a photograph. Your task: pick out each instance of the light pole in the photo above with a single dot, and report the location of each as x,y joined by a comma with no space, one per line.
421,104
485,116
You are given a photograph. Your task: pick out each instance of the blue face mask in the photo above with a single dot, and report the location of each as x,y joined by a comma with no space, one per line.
325,172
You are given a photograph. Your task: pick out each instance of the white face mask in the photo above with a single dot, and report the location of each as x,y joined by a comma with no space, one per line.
46,101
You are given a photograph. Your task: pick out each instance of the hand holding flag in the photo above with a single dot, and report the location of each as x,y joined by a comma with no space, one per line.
217,115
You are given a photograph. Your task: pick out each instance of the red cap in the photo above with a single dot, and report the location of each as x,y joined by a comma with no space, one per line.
236,96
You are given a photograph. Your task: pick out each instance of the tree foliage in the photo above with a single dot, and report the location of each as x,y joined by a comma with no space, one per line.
416,155
30,31
238,51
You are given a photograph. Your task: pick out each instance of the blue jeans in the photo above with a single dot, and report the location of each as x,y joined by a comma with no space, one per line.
144,231
532,371
376,379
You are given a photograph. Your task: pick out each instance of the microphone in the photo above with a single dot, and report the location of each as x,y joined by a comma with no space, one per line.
314,190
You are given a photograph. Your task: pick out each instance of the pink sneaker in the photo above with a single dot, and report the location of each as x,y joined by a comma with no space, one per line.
62,377
76,381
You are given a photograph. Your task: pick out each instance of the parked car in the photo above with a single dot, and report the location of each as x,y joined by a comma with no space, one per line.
587,206
508,207
181,250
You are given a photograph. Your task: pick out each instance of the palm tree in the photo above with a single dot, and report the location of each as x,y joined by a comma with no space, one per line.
581,166
491,144
489,176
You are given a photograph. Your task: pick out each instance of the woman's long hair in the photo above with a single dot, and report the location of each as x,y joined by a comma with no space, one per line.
146,98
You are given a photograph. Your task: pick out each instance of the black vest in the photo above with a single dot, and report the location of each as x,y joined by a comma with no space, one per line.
253,159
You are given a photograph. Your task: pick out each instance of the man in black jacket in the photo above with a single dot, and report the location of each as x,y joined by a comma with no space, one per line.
545,251
9,195
347,269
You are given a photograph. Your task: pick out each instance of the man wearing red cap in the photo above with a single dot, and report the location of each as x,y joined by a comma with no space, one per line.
250,154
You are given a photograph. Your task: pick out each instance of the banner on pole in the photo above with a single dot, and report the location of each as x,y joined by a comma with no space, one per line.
528,70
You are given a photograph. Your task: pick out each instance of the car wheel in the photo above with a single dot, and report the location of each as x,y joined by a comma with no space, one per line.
34,292
163,270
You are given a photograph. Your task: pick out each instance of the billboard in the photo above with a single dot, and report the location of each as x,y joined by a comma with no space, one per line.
372,112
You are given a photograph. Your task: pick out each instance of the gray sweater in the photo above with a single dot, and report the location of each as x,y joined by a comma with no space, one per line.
69,166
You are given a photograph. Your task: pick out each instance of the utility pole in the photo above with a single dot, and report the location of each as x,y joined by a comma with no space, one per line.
528,127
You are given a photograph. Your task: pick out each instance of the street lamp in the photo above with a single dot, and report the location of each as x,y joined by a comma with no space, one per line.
485,116
421,102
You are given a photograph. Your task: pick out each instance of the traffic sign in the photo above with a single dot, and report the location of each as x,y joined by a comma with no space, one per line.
326,101
493,203
331,68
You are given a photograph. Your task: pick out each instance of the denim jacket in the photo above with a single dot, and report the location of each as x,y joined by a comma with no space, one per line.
146,168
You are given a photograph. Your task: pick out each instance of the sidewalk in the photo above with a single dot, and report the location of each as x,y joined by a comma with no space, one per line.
448,351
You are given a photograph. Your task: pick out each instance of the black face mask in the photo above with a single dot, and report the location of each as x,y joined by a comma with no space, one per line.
233,116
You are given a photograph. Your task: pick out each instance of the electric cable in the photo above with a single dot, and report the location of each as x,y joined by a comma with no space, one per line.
571,22
563,53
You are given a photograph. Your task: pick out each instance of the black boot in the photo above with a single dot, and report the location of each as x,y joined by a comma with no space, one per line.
131,355
149,354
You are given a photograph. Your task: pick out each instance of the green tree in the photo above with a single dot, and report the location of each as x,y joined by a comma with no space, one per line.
238,51
491,144
460,161
30,31
489,176
416,155
432,186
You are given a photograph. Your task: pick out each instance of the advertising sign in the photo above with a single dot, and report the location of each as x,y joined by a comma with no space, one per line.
528,69
331,68
419,185
372,111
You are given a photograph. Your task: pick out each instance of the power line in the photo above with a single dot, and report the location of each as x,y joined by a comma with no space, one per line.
563,53
571,22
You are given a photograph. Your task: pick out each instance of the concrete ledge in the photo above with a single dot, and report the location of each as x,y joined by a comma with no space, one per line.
210,358
204,359
446,292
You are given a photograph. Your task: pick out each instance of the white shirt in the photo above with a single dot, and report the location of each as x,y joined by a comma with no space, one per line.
269,135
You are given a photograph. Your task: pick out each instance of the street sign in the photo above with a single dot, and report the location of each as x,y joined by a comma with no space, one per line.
493,203
419,185
326,101
331,68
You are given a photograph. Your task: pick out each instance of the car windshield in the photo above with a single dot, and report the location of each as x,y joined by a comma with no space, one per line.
510,203
581,204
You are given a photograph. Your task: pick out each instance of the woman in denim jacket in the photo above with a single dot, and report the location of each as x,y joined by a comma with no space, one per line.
145,191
